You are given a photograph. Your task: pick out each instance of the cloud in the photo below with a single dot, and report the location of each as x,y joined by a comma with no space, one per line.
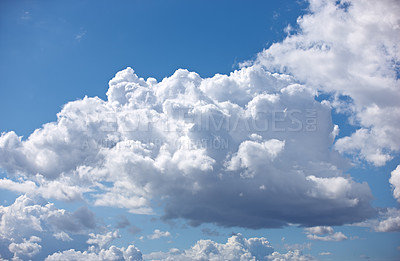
236,248
57,189
202,153
350,49
27,248
27,220
159,234
131,253
338,236
255,144
102,240
395,181
62,236
325,254
294,255
319,230
324,233
389,221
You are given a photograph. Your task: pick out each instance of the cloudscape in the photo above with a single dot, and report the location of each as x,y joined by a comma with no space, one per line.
291,154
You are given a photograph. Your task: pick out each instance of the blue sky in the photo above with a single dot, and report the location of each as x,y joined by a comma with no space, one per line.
136,172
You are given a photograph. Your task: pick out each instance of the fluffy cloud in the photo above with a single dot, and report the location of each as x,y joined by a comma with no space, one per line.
252,148
102,240
57,189
350,49
28,248
324,233
62,236
293,255
261,154
99,249
389,221
26,219
395,181
131,253
236,248
319,230
159,234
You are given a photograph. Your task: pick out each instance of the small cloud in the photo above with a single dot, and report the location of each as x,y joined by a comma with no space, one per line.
300,247
80,35
324,233
26,15
62,236
325,253
159,234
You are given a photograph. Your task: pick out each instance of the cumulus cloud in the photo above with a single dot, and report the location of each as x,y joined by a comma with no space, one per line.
253,152
338,236
102,239
395,181
324,233
113,253
26,219
319,230
236,248
27,248
389,221
159,234
350,49
100,249
57,189
293,255
254,144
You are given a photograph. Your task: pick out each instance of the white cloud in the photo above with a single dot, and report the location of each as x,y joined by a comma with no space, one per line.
395,181
292,255
102,240
99,250
325,254
350,51
319,230
338,236
389,221
182,142
57,189
159,234
236,248
324,233
113,253
257,141
62,236
34,218
28,248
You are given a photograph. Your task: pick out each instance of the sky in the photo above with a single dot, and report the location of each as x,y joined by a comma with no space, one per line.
200,130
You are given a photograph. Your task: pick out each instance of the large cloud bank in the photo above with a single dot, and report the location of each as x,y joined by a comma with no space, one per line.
251,149
30,228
